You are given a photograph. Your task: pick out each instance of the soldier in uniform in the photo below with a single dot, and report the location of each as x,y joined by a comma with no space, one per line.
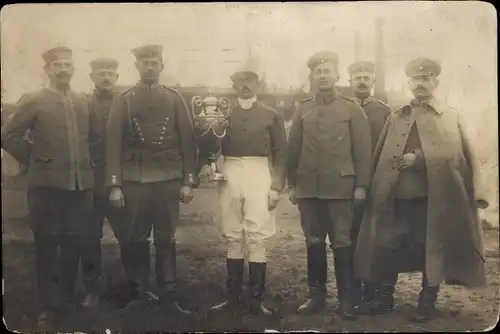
104,76
328,173
422,212
362,79
254,151
151,165
60,178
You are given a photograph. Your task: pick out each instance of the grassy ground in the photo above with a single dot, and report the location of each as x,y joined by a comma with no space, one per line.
201,268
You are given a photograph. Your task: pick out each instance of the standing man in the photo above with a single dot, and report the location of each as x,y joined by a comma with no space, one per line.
362,79
150,166
60,178
328,173
251,190
104,77
424,199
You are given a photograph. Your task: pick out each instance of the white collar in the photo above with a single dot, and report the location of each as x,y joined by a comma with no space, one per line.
247,103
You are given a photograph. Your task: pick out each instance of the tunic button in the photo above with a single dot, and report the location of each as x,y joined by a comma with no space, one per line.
161,138
142,139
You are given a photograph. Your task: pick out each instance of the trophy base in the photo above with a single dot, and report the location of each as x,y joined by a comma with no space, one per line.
218,177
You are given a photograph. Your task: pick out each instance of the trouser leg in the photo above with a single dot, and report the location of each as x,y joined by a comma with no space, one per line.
137,221
165,211
313,226
46,258
90,251
341,215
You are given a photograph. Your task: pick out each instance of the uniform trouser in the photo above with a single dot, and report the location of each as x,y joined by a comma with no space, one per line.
90,246
244,217
150,205
57,217
406,249
319,218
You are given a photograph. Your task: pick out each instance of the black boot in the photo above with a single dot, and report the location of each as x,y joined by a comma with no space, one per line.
166,278
384,297
384,300
257,286
426,309
344,274
234,284
364,296
316,278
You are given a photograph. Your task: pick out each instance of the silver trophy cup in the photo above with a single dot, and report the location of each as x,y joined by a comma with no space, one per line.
210,115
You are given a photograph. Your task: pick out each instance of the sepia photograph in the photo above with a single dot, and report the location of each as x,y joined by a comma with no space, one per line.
250,167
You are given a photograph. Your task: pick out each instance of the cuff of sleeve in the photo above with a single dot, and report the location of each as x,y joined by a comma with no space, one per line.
114,182
190,180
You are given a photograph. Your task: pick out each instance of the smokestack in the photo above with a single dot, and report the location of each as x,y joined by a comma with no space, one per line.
379,61
356,46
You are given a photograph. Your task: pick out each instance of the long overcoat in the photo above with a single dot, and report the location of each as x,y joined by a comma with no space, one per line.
454,241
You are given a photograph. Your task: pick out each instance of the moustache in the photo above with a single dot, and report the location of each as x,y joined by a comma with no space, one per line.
106,82
245,89
61,75
421,88
362,86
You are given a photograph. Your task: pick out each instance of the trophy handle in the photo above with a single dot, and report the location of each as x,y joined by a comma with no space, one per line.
196,102
224,105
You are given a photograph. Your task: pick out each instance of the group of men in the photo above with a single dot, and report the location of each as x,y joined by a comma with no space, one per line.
371,179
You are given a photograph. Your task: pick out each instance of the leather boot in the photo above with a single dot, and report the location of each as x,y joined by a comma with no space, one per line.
257,286
316,279
166,278
344,275
384,298
364,296
426,309
234,284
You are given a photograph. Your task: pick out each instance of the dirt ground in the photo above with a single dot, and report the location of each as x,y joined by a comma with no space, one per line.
201,269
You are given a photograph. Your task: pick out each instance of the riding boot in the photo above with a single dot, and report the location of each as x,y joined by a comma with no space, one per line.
316,277
344,274
365,296
234,284
166,278
384,298
426,308
257,286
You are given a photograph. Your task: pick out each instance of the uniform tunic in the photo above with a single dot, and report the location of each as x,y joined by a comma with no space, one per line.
254,151
150,153
329,153
60,182
377,113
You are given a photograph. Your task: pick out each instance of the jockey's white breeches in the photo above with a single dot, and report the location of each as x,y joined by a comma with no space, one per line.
243,213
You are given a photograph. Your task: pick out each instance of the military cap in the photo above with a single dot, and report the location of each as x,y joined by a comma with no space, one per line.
422,66
361,66
103,63
150,50
322,57
56,53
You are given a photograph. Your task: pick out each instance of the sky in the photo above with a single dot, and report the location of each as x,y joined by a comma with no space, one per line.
461,35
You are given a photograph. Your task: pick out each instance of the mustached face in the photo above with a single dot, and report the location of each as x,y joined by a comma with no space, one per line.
104,79
362,82
423,86
246,86
60,71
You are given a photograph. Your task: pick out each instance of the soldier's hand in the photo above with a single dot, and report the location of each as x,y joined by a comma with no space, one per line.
116,198
407,160
273,198
186,194
359,196
291,196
